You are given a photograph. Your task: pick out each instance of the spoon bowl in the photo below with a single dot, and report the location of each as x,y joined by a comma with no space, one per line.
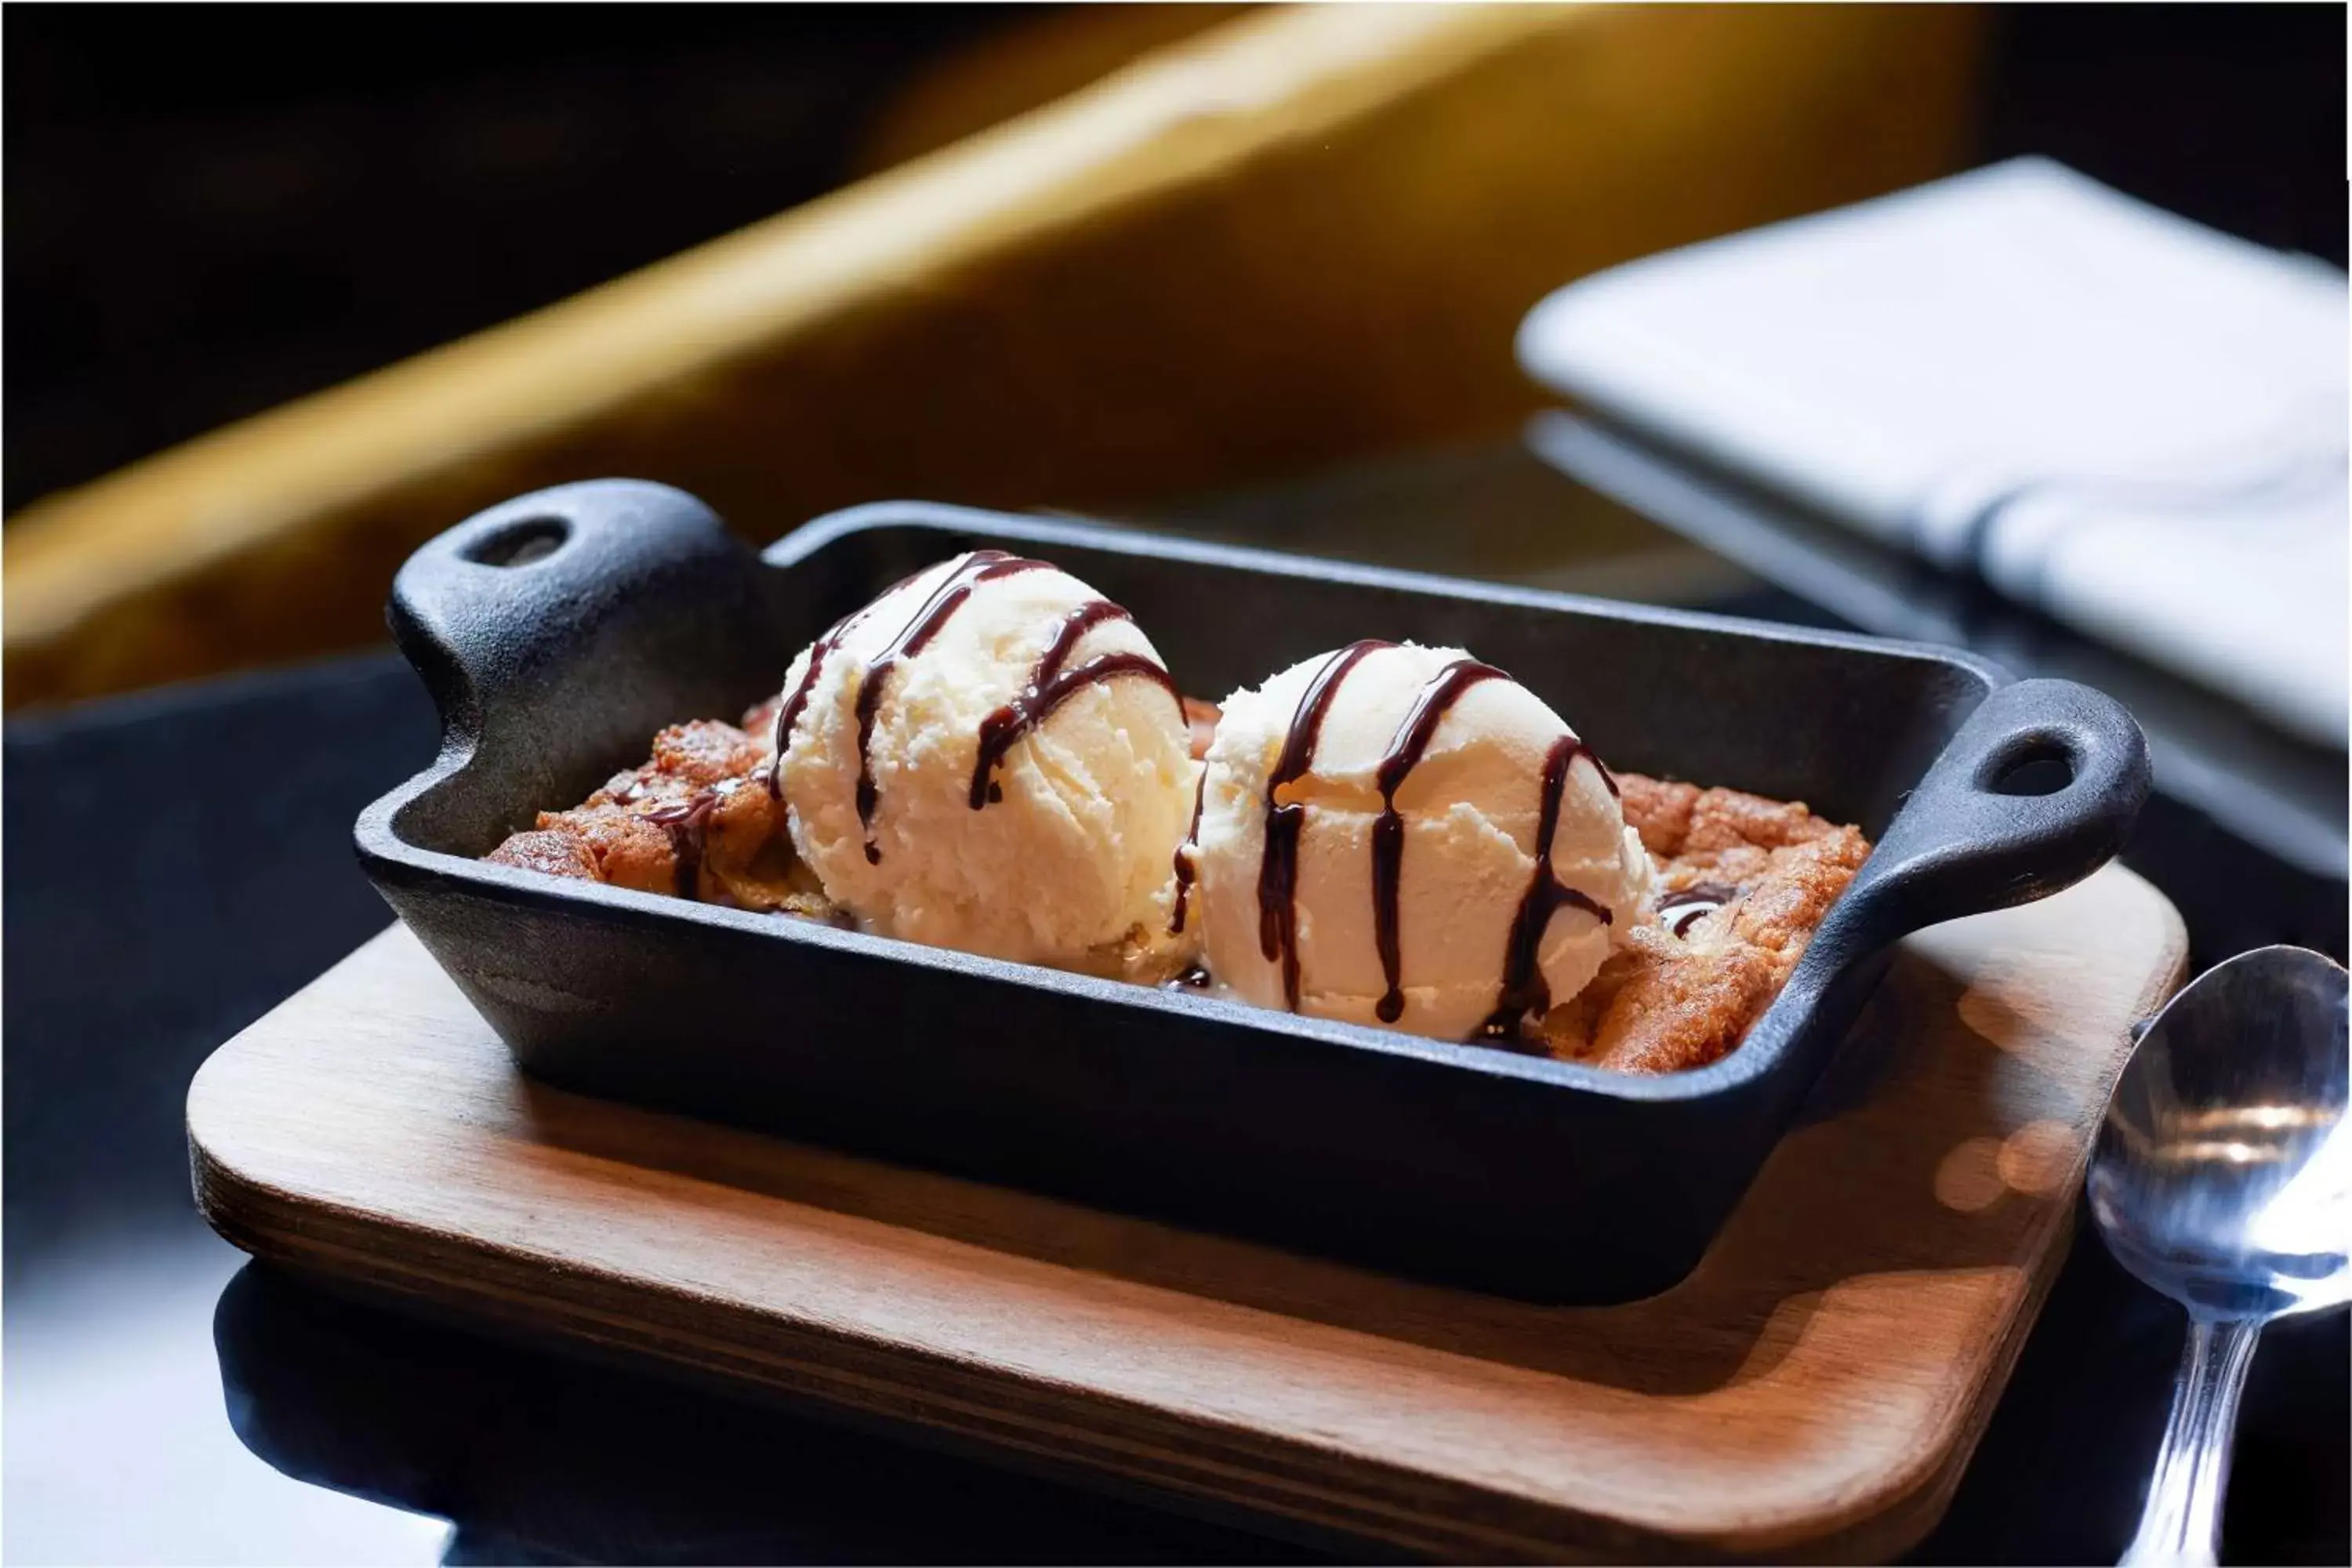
2222,1177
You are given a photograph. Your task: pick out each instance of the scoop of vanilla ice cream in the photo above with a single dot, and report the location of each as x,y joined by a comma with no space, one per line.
1471,808
1070,852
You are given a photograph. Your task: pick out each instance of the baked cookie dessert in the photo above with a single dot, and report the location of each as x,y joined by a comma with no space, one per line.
694,820
991,757
1742,883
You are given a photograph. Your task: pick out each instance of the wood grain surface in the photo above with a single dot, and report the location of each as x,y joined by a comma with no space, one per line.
1812,1391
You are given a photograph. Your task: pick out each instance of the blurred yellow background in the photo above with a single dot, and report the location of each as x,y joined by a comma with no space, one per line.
1107,256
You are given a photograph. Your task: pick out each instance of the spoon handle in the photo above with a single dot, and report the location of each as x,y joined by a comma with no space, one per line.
2182,1522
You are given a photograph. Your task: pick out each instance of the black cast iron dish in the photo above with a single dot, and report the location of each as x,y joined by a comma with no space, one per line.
559,631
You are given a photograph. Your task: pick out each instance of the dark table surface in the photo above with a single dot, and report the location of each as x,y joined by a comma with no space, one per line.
180,861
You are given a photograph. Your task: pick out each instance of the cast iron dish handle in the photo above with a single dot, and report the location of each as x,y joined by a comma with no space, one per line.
1964,844
501,605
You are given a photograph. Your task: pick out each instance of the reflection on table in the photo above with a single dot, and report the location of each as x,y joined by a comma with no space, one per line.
543,1457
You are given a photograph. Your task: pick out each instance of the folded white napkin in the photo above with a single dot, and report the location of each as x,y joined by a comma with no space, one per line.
2132,422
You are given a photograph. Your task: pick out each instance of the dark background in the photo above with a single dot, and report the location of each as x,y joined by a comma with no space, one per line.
339,188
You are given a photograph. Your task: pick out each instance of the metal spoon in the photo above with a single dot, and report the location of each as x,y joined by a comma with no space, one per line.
2223,1178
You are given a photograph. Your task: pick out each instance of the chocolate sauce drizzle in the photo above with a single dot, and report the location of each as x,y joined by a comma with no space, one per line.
1277,870
1697,901
790,713
1050,684
935,613
1525,990
1184,868
687,823
1411,740
1608,779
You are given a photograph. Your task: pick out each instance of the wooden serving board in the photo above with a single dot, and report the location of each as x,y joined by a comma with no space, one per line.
1812,1391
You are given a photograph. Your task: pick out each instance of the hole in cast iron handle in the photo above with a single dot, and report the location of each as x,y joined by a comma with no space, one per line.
519,544
2032,763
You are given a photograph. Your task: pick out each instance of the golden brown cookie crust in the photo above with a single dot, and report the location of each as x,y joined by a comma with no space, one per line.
694,820
1666,1003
